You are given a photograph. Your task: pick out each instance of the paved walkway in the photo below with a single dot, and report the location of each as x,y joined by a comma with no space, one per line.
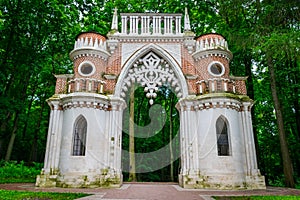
152,191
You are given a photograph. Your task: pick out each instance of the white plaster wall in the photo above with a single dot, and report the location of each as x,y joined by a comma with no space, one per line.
210,162
96,142
129,49
174,50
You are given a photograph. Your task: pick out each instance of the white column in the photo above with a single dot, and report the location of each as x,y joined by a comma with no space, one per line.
189,134
110,143
154,25
212,85
107,138
148,24
124,25
183,141
119,138
77,84
130,24
251,152
114,136
159,21
194,135
133,24
225,85
48,152
143,27
200,88
101,88
165,24
55,131
58,137
90,85
136,24
187,140
178,24
170,24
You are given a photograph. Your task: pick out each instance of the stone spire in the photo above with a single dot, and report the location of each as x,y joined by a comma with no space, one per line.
187,25
114,24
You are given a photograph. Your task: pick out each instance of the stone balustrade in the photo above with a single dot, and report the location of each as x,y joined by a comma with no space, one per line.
216,85
211,43
150,24
85,85
89,42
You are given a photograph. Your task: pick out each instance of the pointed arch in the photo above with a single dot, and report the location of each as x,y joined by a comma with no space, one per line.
79,136
222,132
152,50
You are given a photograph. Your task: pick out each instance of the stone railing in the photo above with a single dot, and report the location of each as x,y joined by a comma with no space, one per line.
150,24
211,43
85,85
216,85
89,42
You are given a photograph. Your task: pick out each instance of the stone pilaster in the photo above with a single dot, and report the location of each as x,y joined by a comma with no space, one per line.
49,173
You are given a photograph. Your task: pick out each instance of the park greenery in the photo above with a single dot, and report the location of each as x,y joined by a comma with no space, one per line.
264,36
21,195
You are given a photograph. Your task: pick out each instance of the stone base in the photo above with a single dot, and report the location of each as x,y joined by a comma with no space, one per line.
46,180
222,182
104,180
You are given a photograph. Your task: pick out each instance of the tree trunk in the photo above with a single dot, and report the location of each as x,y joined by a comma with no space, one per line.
250,91
287,164
132,174
170,139
12,138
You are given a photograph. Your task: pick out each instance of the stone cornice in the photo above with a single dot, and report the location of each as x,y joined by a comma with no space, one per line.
86,51
212,52
86,100
81,100
242,98
219,100
146,38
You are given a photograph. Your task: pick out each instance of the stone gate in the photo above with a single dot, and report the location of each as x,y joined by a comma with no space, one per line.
85,128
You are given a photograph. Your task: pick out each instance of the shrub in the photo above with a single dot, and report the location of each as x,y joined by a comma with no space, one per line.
13,171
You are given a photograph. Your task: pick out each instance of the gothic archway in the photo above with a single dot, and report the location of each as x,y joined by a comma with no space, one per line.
151,66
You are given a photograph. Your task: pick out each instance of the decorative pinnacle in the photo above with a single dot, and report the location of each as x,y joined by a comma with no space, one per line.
187,24
114,24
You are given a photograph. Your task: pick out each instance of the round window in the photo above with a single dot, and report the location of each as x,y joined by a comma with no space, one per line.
216,68
86,69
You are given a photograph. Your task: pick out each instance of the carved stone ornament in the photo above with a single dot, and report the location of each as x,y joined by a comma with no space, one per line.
151,72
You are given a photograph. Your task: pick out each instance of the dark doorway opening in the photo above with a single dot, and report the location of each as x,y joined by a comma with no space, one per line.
156,136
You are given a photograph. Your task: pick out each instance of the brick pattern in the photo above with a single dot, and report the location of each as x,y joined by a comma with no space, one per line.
241,87
202,67
198,70
99,63
188,68
93,35
210,35
61,85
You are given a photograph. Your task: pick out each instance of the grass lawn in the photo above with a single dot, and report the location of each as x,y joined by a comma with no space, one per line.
258,198
21,195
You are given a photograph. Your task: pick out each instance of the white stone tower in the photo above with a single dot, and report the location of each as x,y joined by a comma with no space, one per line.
85,128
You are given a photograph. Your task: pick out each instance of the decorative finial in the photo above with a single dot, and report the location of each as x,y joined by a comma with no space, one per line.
114,25
187,25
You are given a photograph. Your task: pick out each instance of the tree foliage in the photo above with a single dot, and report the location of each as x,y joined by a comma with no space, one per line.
37,36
